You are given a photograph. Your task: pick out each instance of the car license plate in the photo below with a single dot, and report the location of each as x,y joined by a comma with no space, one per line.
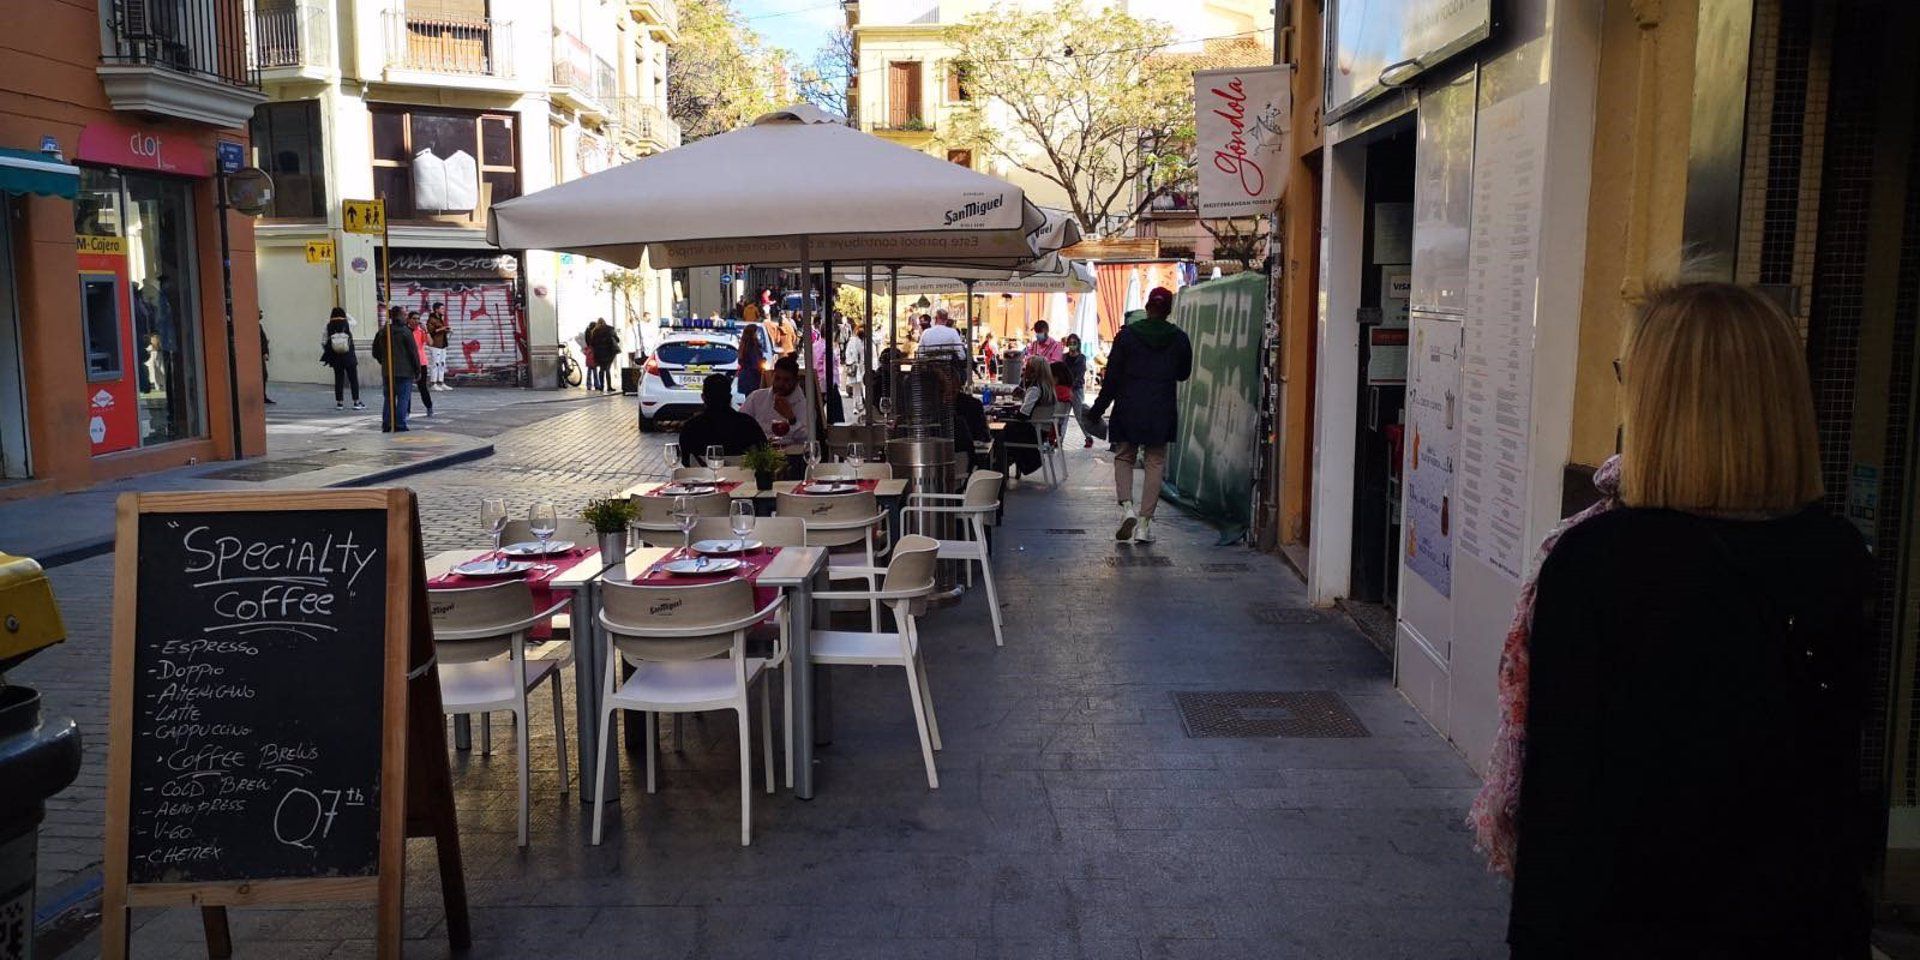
698,368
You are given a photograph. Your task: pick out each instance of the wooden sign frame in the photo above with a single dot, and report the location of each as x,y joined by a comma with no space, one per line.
411,722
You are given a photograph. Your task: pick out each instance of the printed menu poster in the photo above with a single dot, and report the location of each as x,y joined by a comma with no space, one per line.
1433,388
1510,146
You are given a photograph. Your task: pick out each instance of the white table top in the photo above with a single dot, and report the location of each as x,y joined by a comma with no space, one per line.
895,487
790,568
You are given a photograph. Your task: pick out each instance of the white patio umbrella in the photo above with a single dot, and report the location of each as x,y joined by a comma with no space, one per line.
797,185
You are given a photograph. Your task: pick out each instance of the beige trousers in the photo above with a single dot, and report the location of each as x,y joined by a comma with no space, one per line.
1124,455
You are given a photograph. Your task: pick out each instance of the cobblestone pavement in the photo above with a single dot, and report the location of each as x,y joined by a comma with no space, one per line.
1075,817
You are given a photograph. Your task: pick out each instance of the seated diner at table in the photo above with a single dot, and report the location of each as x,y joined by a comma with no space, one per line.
781,408
718,423
1037,406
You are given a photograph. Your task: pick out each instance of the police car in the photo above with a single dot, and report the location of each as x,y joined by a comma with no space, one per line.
687,355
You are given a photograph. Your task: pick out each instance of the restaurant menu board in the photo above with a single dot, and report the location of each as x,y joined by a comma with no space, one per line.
1432,410
257,696
1510,145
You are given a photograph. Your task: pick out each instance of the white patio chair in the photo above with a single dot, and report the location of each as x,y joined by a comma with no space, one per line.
480,657
844,521
653,516
972,509
687,649
1044,442
909,579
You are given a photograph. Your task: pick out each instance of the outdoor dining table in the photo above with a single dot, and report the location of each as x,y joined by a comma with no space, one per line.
892,494
792,571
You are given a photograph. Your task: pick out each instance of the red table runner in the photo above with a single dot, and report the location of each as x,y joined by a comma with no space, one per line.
537,580
751,565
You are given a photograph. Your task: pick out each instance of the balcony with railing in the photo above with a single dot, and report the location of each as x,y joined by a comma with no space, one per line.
660,17
295,38
478,48
644,125
580,80
182,58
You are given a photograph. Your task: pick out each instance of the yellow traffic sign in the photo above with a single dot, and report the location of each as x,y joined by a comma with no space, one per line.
320,251
363,216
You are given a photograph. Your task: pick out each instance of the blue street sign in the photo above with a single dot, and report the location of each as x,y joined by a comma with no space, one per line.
230,154
726,278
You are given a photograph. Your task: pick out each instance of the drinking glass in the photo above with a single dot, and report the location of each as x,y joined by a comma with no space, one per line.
683,515
780,426
673,456
716,456
857,452
741,517
812,455
886,409
493,519
543,519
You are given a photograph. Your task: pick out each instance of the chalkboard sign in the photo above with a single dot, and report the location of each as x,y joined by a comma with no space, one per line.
272,673
259,653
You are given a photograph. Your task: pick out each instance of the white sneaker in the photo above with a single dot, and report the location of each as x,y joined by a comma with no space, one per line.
1144,532
357,405
1127,521
339,406
1013,481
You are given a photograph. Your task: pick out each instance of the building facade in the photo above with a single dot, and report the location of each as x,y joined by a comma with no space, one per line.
1489,213
441,109
117,353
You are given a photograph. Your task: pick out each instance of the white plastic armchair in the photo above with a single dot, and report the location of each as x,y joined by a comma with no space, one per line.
972,509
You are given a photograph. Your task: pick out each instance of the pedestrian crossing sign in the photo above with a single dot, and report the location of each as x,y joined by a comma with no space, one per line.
320,251
363,216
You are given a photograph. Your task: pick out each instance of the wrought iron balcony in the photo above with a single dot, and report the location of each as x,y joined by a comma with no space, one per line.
644,123
185,58
463,46
292,37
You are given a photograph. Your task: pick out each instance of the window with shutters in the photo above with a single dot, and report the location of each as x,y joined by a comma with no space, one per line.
957,87
443,166
452,36
904,96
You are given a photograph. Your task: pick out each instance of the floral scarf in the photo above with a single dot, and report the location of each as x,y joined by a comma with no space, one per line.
1495,812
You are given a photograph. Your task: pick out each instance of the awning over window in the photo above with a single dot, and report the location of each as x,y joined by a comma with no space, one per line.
23,171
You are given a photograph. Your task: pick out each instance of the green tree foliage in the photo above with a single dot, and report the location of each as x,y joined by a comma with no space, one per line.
823,82
1080,97
721,74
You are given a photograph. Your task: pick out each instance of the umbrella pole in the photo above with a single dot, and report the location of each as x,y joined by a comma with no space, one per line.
893,328
866,351
826,334
806,331
969,356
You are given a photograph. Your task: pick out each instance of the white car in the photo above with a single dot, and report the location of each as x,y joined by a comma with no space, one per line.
670,381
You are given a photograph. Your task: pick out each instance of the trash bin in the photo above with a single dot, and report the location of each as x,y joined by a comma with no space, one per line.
630,381
37,758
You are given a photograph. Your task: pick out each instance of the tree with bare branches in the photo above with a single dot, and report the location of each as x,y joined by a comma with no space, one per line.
823,82
1081,98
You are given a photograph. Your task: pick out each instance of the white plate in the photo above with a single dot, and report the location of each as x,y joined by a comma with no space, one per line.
723,547
821,488
697,490
531,548
698,566
492,568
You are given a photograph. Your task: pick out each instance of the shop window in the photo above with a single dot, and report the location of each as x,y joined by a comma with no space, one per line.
287,144
138,240
443,166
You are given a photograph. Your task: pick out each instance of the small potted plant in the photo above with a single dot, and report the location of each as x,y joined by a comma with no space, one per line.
609,518
766,463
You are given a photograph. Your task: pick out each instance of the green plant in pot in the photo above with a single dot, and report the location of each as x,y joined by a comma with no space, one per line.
766,463
609,519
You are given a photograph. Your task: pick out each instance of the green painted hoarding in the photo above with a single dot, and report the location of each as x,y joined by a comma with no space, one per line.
1210,463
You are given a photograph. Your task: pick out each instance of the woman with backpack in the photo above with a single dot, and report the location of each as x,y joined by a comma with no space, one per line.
337,350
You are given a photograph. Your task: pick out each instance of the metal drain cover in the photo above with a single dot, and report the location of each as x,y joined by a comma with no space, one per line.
1263,714
1067,531
1225,567
1138,560
1274,615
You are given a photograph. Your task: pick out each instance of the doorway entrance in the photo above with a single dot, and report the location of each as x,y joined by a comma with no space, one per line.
14,462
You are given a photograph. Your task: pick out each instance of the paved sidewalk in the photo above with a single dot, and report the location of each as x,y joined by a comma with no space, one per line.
1075,817
309,445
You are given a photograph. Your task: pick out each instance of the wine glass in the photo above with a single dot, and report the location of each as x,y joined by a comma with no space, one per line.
780,426
673,456
856,452
683,515
716,456
493,519
741,516
886,409
543,519
812,454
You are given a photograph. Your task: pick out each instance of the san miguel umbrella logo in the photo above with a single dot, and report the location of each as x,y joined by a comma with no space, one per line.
972,209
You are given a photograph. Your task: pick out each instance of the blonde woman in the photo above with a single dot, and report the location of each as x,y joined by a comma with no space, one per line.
1036,407
1699,670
